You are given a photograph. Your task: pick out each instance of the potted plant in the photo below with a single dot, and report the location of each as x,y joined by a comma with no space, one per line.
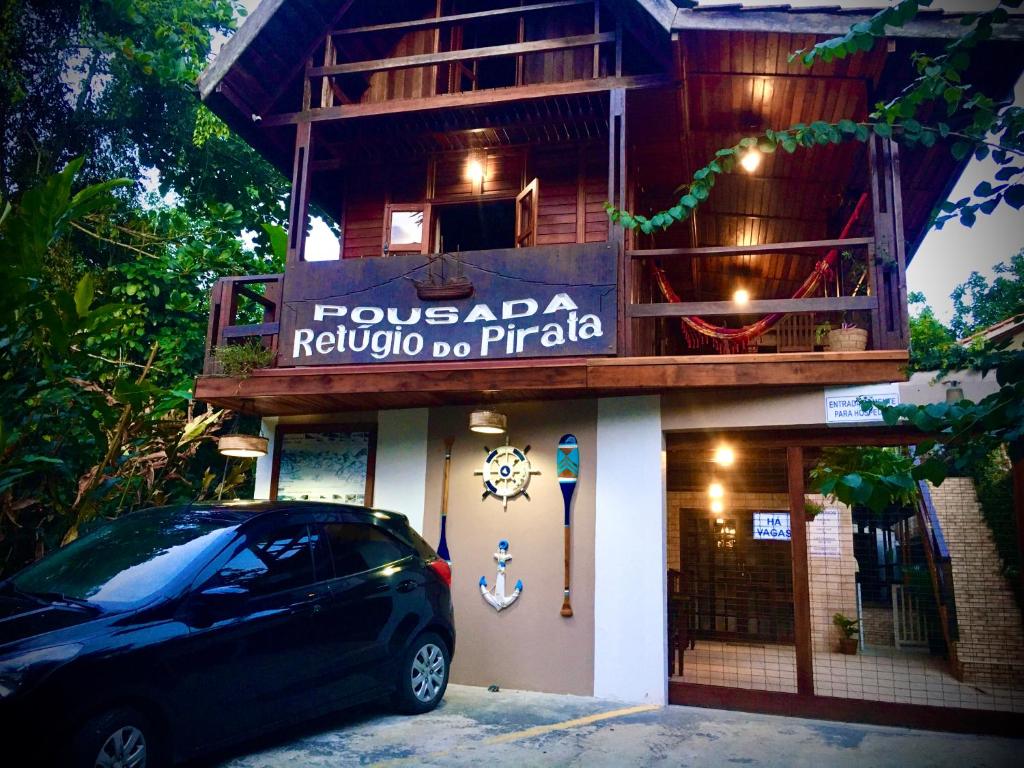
812,509
238,361
847,338
849,629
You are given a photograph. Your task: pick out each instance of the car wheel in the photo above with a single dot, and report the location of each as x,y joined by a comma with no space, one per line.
119,738
423,675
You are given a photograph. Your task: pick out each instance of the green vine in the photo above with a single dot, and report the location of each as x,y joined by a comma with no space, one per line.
975,123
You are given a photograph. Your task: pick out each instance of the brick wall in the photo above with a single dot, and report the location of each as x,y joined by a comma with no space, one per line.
991,645
832,572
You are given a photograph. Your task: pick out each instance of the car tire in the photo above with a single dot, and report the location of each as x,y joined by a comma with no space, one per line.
422,675
124,735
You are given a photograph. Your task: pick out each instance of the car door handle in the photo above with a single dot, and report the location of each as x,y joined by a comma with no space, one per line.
307,606
407,586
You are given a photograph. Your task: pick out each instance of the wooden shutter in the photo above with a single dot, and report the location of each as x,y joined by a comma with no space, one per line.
526,215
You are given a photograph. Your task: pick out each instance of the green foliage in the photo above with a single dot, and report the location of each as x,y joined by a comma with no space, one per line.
933,346
240,360
876,478
977,304
994,485
846,625
87,428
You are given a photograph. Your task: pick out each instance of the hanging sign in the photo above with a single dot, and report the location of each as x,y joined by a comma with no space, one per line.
772,526
843,404
823,534
522,304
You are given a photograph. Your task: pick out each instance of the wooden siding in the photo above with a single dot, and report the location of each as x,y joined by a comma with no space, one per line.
362,226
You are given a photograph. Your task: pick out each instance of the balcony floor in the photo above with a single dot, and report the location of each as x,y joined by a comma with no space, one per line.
291,391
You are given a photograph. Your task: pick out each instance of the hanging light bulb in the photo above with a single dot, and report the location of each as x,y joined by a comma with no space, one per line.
724,456
475,171
751,160
741,297
716,491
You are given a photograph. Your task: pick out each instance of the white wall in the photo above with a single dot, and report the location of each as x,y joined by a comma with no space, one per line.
265,464
630,636
400,473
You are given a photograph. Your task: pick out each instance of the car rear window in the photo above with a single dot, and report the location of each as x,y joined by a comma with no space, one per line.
358,547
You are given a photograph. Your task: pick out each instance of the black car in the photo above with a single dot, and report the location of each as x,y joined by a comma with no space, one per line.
176,630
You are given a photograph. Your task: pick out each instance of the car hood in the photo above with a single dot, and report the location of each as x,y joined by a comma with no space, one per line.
21,619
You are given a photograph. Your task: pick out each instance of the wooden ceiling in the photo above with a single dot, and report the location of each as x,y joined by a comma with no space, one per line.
735,84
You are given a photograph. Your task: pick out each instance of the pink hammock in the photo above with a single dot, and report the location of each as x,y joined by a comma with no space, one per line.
737,339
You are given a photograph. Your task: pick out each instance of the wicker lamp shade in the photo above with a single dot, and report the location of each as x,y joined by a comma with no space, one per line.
488,422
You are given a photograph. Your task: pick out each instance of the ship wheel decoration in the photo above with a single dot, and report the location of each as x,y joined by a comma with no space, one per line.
506,472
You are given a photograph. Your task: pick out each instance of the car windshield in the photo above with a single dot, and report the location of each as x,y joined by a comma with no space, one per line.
126,562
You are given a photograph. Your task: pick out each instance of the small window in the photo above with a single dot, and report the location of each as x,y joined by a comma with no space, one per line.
404,226
357,547
278,560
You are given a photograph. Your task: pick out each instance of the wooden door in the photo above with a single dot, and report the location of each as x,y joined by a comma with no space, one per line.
526,215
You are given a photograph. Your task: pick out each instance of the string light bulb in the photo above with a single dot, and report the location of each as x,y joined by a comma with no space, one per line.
716,491
475,171
751,160
741,296
724,456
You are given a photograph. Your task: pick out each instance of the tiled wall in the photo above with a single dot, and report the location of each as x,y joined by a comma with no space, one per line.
991,645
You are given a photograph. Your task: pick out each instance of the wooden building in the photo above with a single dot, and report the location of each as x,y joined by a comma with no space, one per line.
462,152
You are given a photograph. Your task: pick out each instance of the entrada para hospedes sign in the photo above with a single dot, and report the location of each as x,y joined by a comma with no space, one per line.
558,302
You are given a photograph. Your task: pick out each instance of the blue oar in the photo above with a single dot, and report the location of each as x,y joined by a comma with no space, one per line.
568,466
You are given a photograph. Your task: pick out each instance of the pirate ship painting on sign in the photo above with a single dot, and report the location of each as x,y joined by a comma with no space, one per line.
445,287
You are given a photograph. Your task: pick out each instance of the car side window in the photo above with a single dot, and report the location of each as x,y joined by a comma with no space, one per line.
358,547
273,561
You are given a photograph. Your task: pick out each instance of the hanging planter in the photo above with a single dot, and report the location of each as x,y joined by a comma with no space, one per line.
848,339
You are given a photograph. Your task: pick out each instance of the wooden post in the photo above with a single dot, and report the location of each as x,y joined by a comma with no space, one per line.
801,585
299,212
617,197
889,268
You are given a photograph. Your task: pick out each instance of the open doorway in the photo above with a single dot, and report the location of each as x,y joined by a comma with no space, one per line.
477,226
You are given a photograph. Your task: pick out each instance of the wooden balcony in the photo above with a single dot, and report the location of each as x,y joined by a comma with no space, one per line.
303,311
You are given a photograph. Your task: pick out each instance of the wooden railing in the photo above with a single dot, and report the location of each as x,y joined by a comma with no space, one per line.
865,247
224,327
940,568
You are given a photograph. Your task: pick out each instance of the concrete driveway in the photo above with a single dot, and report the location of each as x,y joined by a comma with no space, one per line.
510,729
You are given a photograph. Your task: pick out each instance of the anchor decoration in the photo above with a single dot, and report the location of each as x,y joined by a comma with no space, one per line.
506,472
497,598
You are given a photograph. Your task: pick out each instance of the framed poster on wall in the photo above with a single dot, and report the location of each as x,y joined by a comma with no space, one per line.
324,463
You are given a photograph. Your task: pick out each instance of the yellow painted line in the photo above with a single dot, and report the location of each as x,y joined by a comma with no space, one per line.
529,733
540,730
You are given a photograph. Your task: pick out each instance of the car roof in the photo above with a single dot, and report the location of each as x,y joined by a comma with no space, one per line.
242,510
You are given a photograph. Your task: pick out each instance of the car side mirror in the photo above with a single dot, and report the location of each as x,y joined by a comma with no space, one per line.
216,603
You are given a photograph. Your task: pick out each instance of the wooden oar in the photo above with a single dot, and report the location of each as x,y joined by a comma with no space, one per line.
568,466
442,546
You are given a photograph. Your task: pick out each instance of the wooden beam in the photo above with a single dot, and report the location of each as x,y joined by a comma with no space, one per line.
801,583
458,18
468,99
830,24
269,391
807,437
466,54
233,49
747,250
765,306
244,331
